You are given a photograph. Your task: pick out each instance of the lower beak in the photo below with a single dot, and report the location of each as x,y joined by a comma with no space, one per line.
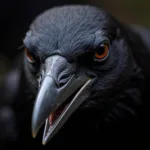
55,105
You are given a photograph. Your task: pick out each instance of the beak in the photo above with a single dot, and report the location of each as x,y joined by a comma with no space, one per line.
55,104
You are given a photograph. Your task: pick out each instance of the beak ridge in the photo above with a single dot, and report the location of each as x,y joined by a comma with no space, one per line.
40,113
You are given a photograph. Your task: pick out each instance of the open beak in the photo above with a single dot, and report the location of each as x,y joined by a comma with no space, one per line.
55,104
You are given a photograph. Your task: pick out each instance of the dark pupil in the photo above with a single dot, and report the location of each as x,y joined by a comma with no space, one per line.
100,50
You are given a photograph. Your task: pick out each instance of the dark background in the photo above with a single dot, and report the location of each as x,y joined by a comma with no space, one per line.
15,18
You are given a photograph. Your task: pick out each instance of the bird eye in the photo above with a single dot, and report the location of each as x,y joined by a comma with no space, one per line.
102,52
29,56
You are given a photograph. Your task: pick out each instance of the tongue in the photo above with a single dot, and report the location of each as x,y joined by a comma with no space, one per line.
52,118
54,115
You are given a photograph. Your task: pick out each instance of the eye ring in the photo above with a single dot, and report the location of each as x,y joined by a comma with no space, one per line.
102,52
30,58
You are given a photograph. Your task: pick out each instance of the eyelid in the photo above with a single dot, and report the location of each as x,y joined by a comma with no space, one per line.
105,42
101,38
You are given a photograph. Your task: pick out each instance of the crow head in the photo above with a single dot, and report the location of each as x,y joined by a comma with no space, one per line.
73,54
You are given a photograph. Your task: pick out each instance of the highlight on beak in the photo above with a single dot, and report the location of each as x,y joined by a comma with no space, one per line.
44,104
54,106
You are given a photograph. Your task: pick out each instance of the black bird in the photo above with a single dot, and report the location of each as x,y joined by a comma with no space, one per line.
84,74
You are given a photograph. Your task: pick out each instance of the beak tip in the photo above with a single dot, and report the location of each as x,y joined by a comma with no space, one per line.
44,142
34,131
34,134
35,128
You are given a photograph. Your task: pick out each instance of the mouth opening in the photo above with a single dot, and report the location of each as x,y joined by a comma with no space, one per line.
57,113
59,116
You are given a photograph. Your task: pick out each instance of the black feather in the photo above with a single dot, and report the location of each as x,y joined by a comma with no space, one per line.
117,111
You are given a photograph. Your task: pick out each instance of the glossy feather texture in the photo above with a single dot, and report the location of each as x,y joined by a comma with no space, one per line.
116,112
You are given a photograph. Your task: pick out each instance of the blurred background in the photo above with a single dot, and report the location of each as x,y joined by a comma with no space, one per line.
15,18
16,15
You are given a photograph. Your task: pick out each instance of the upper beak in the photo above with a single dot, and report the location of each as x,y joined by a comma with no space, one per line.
51,97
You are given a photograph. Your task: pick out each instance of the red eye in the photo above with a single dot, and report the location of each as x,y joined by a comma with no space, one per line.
102,51
29,56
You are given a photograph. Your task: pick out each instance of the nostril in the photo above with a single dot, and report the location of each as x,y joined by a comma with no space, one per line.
41,78
64,79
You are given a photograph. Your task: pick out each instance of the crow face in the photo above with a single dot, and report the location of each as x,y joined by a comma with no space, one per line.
71,54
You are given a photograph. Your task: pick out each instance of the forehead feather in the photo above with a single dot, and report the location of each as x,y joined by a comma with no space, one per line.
67,27
65,18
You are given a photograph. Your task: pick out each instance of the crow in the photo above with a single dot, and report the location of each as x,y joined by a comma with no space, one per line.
83,80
